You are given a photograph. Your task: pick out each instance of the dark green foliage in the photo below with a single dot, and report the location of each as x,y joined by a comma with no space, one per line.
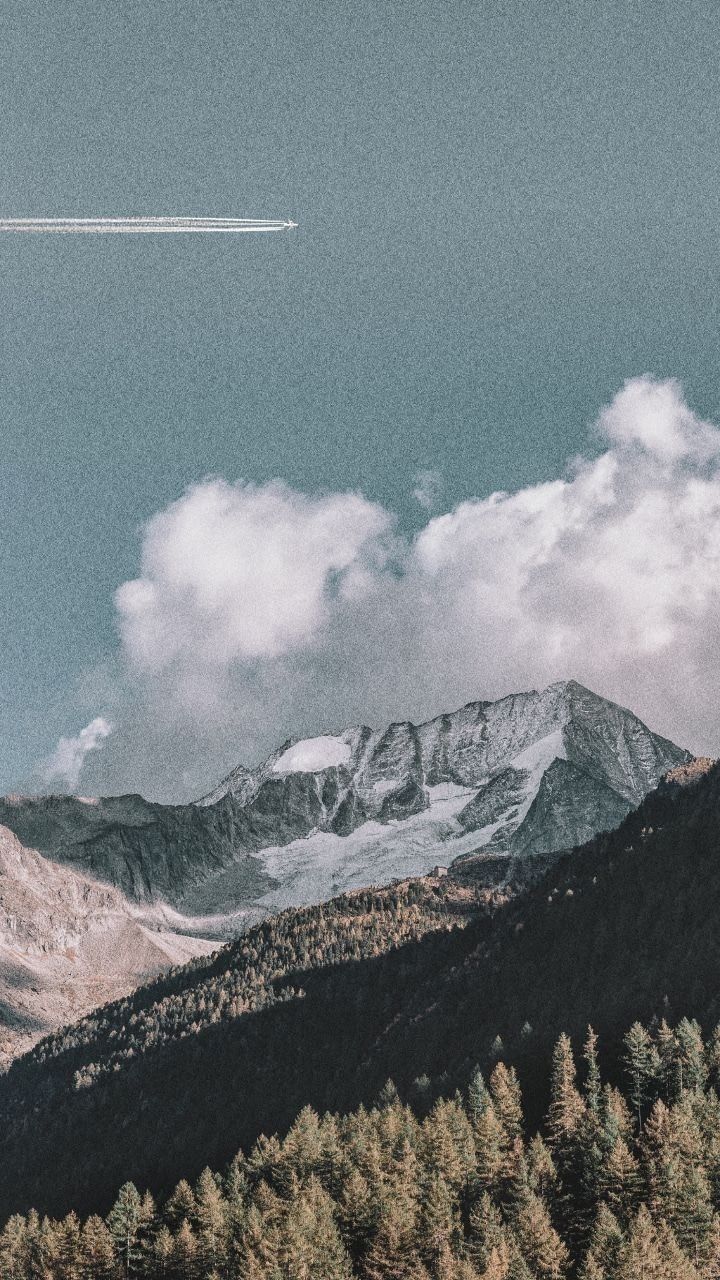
465,1193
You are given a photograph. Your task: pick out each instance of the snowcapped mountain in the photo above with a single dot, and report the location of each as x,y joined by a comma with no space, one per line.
98,894
533,773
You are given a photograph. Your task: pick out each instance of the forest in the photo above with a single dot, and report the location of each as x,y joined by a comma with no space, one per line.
320,1006
616,1184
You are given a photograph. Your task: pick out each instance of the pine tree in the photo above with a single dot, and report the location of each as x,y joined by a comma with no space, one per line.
486,1231
542,1174
690,1055
69,1255
97,1252
311,1245
13,1242
490,1143
516,1182
652,1253
124,1221
506,1095
566,1105
669,1075
712,1058
181,1205
499,1261
185,1261
392,1254
642,1065
438,1223
478,1097
606,1241
593,1081
211,1222
358,1211
540,1243
162,1250
620,1181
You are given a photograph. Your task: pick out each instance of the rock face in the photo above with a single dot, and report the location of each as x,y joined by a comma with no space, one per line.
98,894
533,773
69,943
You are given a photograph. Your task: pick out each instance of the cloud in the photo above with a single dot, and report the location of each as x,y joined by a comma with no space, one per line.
64,766
262,612
428,487
240,573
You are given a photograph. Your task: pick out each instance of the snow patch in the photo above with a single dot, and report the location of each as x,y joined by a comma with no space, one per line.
539,756
313,754
450,791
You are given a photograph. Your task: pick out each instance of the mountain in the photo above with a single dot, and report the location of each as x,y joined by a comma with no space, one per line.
122,887
69,943
534,773
320,1006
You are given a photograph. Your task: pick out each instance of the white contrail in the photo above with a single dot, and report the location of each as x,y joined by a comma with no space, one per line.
135,226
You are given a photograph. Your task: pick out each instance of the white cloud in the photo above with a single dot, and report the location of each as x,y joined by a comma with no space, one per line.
262,612
244,573
64,766
428,487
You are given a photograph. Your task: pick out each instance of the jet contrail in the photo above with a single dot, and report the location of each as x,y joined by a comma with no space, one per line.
135,226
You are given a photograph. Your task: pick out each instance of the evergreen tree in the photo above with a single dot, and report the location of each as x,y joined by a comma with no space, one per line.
540,1243
652,1253
211,1222
603,1255
593,1081
97,1251
311,1246
478,1097
506,1095
690,1055
124,1222
13,1248
162,1250
669,1075
438,1226
358,1211
642,1065
490,1148
485,1231
180,1206
542,1174
392,1254
184,1258
620,1181
566,1105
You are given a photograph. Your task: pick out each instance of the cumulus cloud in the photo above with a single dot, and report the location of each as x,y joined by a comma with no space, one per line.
62,769
262,612
239,573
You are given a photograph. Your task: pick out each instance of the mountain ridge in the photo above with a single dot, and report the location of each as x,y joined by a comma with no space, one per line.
603,937
494,789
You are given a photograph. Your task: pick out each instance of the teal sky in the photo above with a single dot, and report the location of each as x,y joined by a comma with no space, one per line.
505,209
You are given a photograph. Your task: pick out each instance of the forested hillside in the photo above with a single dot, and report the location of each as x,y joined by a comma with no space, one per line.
321,1012
616,1185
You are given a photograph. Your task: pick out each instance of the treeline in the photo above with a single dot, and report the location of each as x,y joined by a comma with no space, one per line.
321,1006
265,967
617,1185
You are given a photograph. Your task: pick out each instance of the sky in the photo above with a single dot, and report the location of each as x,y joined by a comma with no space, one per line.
246,482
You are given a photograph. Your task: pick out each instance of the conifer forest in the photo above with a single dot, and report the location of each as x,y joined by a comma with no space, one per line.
618,1183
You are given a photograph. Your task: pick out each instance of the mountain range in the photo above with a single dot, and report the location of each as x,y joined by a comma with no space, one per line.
97,894
417,982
